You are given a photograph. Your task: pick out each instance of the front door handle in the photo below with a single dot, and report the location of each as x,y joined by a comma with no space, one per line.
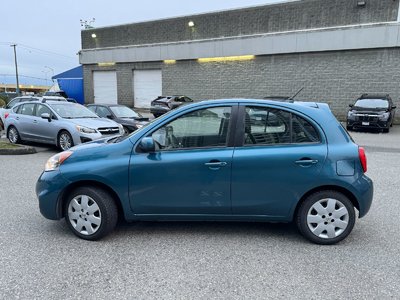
34,121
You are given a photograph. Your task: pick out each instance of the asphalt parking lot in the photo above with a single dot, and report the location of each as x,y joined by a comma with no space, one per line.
43,259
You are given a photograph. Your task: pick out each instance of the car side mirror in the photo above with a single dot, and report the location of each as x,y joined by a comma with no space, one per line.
147,145
351,105
109,117
394,106
46,116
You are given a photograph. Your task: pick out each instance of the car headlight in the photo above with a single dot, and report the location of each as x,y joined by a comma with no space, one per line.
121,129
55,161
350,113
84,129
384,116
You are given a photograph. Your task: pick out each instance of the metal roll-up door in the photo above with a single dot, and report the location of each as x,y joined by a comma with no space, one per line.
147,85
105,87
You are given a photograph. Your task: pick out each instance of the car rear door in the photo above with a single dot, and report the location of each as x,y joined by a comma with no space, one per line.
24,120
278,158
43,130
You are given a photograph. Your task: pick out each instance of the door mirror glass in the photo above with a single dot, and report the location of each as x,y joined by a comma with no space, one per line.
147,145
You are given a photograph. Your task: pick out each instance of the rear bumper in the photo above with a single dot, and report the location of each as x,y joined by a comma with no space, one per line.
159,110
366,189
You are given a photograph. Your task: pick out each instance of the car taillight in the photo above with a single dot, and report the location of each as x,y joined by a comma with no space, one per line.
363,158
6,115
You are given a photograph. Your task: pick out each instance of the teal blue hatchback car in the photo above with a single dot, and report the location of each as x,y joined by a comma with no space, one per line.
222,160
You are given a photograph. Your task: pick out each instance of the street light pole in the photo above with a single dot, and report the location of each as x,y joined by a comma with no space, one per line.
16,66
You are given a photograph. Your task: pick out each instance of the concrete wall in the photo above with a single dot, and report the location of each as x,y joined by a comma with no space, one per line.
337,78
296,15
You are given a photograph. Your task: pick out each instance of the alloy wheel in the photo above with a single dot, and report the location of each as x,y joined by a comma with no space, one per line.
13,135
65,141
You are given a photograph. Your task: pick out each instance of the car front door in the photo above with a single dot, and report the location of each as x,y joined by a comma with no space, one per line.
190,171
44,131
276,162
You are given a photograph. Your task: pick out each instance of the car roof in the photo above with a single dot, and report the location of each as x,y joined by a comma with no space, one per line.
105,104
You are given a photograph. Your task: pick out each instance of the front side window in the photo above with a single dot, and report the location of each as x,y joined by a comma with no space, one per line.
268,126
42,109
199,129
27,109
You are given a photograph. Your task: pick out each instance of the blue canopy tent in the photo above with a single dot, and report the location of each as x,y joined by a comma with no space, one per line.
71,82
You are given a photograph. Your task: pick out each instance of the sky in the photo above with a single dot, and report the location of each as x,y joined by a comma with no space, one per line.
47,33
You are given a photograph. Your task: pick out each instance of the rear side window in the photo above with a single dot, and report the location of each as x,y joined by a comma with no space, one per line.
268,126
27,109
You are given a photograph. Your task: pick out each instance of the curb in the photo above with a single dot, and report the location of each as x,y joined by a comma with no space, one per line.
20,150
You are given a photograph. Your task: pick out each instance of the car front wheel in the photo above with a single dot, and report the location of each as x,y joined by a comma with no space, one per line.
65,140
326,217
91,213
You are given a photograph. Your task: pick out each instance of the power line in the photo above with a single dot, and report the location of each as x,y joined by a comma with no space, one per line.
27,47
32,77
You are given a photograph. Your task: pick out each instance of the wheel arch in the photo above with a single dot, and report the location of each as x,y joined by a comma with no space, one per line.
88,183
335,188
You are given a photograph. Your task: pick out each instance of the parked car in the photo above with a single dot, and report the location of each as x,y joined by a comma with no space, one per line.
190,165
164,104
4,111
371,111
127,117
59,123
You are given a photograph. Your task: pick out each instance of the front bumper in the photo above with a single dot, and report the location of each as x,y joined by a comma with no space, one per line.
373,123
49,188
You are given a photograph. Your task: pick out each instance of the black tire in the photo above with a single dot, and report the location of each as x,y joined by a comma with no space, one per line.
126,131
156,115
62,140
386,130
79,220
349,128
339,227
1,125
13,135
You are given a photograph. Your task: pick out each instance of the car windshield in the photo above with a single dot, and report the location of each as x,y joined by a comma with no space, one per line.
72,111
372,103
124,112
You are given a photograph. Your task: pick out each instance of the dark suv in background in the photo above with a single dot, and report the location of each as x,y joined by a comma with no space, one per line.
372,111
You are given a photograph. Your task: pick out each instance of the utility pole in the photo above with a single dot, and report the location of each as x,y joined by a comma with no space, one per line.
16,67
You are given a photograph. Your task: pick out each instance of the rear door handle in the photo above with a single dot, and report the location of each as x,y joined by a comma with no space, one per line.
306,162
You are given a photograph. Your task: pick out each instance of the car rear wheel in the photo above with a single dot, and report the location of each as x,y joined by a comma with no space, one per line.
91,213
65,140
326,217
13,135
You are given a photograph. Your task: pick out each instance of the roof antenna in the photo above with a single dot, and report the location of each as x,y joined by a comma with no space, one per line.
299,91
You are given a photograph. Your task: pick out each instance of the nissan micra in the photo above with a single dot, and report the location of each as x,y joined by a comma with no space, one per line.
220,160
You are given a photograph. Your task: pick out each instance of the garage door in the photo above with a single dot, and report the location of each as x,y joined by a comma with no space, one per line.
147,85
105,87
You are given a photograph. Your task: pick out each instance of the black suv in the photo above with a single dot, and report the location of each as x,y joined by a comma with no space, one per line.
371,111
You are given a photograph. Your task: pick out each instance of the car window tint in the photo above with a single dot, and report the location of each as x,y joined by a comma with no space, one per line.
266,126
303,131
42,109
27,109
92,108
103,112
198,129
